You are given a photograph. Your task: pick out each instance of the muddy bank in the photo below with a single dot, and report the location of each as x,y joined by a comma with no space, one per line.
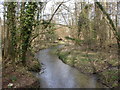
89,62
23,77
19,76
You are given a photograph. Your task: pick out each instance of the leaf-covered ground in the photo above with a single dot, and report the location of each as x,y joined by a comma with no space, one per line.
19,76
99,62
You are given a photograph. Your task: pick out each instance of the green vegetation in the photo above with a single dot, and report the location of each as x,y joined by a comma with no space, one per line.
63,56
91,62
28,23
89,31
16,40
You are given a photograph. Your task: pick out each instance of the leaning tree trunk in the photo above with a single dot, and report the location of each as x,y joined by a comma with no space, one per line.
116,33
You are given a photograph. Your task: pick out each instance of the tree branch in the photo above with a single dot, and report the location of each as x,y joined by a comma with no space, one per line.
110,21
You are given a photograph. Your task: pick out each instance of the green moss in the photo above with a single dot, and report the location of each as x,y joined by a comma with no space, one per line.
70,62
13,78
63,56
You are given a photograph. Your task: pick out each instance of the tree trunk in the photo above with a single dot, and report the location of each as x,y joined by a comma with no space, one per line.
116,33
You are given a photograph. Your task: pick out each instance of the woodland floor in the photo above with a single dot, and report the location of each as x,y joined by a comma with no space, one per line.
103,62
22,77
19,76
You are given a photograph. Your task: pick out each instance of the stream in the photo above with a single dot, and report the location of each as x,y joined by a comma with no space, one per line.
56,74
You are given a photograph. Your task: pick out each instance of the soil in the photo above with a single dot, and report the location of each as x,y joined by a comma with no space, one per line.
22,77
18,75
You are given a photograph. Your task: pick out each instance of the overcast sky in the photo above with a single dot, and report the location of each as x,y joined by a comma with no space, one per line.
50,4
1,10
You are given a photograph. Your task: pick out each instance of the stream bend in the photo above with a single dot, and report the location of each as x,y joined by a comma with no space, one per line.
56,74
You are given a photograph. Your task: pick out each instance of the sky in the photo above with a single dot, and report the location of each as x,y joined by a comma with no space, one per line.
1,10
51,3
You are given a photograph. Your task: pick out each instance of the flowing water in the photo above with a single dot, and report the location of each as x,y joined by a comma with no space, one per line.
56,74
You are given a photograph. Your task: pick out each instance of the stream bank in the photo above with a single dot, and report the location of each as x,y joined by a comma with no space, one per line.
56,74
91,63
23,77
20,76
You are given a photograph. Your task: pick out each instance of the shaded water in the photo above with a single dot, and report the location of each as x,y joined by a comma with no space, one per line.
56,74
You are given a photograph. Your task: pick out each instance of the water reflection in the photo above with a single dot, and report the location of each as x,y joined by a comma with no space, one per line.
59,75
